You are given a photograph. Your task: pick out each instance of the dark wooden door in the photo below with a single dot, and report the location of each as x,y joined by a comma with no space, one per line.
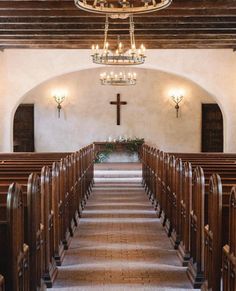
212,128
23,131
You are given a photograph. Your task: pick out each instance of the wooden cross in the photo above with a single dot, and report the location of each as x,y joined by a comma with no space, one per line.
118,104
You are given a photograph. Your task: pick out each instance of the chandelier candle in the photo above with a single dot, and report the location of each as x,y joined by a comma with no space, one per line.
131,56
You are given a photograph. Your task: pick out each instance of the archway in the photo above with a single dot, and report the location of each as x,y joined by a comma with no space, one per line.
149,114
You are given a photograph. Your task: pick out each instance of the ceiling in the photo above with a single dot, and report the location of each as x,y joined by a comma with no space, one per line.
60,24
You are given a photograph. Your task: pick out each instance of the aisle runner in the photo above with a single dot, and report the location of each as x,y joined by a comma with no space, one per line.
120,245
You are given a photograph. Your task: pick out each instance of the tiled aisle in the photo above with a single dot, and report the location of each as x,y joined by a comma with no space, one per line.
120,245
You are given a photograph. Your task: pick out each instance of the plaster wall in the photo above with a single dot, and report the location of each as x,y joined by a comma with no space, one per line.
213,70
87,115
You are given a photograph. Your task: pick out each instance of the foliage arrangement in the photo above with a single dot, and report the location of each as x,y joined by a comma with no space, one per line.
131,145
102,156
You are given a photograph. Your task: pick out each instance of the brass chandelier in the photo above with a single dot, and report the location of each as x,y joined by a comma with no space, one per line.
120,56
122,8
121,79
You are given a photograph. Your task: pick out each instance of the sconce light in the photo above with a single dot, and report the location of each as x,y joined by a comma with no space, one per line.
59,97
177,97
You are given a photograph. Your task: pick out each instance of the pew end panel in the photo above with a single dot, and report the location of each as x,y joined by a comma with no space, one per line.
229,249
49,264
184,246
2,283
195,269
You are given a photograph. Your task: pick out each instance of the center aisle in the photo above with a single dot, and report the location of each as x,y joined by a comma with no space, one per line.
120,243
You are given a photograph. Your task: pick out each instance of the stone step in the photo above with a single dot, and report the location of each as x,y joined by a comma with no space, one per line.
118,186
117,174
118,166
118,180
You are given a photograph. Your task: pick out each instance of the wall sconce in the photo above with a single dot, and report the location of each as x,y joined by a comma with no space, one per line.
177,97
59,97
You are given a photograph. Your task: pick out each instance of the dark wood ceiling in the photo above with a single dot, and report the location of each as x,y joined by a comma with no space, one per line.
60,24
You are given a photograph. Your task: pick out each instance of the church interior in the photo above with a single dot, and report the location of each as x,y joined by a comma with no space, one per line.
117,145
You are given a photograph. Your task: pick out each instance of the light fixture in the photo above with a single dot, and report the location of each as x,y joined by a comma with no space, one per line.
121,79
120,56
122,8
59,97
177,97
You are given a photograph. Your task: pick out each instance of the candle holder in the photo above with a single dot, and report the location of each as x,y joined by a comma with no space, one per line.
59,97
177,98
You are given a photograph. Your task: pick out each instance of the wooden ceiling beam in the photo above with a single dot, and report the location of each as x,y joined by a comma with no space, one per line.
69,5
59,23
72,13
113,39
17,33
156,41
95,27
99,20
79,46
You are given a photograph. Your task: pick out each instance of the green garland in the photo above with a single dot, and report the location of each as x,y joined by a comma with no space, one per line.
102,156
132,146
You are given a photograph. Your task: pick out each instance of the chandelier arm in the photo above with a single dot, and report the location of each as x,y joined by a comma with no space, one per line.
94,3
132,38
106,31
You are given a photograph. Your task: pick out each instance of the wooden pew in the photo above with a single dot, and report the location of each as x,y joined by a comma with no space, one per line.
214,156
45,242
164,181
146,169
63,198
197,222
184,183
184,246
47,219
213,237
64,207
159,178
177,197
55,156
172,197
51,183
199,217
14,253
2,283
59,251
60,192
35,232
229,250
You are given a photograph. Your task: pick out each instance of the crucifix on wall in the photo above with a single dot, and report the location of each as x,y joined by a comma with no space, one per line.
118,104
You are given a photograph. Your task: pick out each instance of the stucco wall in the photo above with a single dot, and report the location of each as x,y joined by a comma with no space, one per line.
213,70
87,115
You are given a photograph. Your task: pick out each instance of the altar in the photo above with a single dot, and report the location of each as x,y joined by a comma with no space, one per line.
118,152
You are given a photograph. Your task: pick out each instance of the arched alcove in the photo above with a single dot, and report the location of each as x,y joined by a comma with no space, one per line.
88,116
